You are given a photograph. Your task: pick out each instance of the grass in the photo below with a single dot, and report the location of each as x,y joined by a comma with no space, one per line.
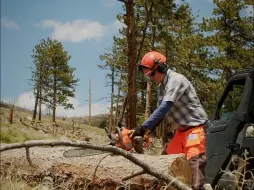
16,133
11,184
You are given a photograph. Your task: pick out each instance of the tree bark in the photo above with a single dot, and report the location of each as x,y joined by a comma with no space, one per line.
132,58
149,83
11,115
148,15
40,102
120,121
103,170
36,104
118,97
54,98
111,121
148,98
40,90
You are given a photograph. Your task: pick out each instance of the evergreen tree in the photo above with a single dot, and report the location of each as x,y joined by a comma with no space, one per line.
53,78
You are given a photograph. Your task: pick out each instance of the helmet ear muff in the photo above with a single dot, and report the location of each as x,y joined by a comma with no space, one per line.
162,67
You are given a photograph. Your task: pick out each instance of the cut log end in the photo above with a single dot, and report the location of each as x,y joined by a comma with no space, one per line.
181,169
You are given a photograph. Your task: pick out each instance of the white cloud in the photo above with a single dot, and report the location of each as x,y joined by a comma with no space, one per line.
9,24
26,100
115,26
75,31
78,30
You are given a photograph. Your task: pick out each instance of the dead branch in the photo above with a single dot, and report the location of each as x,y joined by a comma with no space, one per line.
148,169
134,175
24,123
28,157
94,174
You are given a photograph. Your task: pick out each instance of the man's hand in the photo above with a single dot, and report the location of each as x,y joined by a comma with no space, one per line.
138,131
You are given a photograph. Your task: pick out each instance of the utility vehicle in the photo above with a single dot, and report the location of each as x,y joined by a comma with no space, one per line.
230,140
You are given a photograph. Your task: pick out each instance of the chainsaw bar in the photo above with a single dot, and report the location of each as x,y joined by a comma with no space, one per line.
81,152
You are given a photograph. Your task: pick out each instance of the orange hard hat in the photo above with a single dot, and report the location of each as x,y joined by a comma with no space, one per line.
151,59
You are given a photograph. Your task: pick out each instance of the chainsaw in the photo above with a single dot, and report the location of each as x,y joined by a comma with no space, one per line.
121,138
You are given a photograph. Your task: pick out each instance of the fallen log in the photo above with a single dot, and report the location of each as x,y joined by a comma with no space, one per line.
105,170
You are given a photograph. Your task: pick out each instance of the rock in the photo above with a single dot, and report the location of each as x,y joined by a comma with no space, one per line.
64,138
29,118
40,131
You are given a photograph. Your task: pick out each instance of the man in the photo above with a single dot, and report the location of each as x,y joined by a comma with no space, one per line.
177,100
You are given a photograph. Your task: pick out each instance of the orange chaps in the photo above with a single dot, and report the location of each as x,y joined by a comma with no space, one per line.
192,142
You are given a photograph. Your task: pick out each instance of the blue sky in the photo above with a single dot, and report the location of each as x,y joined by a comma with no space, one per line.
85,27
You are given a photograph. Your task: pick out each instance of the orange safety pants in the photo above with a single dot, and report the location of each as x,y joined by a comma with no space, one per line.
191,142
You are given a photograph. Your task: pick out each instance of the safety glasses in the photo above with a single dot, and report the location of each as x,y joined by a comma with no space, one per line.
146,71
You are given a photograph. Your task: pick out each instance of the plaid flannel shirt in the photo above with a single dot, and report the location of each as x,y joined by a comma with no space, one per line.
187,109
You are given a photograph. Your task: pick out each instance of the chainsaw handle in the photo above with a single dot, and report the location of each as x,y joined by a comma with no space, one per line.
118,130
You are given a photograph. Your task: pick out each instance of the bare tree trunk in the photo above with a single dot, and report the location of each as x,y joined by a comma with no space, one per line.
36,104
162,131
54,100
111,123
118,96
148,16
149,83
148,99
40,107
11,114
40,90
143,92
132,58
119,123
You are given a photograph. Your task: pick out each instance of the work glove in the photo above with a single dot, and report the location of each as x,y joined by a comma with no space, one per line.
138,131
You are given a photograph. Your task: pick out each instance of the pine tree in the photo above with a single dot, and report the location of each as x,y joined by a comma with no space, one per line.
54,80
230,38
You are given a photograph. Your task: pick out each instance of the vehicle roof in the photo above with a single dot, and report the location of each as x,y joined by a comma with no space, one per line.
245,71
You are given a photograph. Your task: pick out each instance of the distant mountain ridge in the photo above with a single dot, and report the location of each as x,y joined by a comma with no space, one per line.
96,119
8,105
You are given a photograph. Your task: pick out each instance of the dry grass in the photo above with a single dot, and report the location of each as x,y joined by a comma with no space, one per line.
11,184
24,129
15,133
11,180
241,177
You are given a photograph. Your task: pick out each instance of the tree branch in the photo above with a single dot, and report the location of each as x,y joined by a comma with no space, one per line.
28,157
148,15
134,175
148,169
94,174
